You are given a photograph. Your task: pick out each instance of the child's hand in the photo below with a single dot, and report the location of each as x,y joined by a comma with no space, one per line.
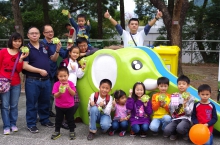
101,104
92,103
162,103
72,66
113,103
206,124
88,23
130,93
145,104
107,15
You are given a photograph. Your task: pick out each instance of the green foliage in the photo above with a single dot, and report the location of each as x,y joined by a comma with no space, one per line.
158,43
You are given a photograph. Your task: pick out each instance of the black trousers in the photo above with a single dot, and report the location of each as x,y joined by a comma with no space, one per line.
68,113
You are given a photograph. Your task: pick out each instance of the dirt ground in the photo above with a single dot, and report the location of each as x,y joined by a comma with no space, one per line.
203,74
198,74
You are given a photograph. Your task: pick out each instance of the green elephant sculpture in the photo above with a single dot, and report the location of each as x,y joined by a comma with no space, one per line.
124,67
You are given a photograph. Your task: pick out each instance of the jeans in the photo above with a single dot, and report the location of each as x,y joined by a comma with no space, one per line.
156,122
180,126
9,109
97,117
52,81
122,125
210,141
37,93
139,127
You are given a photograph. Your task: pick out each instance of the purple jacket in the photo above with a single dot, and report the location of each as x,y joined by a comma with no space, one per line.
139,113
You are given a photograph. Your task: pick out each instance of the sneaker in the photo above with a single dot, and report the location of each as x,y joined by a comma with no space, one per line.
173,137
143,135
111,133
52,114
14,129
132,133
55,135
72,135
155,133
90,136
6,131
65,125
186,137
166,136
49,124
33,129
122,133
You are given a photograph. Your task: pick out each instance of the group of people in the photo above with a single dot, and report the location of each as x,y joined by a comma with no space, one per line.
173,113
45,81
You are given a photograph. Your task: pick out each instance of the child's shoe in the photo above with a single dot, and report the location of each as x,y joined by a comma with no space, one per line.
6,131
111,133
155,133
122,133
143,135
55,135
72,135
132,133
173,137
186,137
90,136
14,129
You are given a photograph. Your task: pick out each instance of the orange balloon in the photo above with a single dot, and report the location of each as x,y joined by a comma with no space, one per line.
199,134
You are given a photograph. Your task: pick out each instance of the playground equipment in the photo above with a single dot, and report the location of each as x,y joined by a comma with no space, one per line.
124,67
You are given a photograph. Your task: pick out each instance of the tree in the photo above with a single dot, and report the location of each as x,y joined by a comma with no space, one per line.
17,17
173,17
122,14
45,11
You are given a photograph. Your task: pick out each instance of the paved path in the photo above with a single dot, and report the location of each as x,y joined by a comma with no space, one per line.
24,137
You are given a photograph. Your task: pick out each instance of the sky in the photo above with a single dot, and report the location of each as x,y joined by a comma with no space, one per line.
129,7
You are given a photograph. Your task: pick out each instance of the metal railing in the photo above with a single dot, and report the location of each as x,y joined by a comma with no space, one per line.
189,47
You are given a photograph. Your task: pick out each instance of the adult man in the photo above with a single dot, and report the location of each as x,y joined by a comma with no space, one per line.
133,38
47,41
72,32
85,50
37,83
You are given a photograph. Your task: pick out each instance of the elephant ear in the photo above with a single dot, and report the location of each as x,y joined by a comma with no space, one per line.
104,66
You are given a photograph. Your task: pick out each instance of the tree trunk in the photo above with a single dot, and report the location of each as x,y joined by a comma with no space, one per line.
100,17
45,11
122,14
199,33
17,17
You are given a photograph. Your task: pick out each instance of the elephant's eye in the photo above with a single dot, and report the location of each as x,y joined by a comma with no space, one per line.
136,65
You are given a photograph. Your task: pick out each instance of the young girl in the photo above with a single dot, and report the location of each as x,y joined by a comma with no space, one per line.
75,71
121,116
64,91
8,56
140,112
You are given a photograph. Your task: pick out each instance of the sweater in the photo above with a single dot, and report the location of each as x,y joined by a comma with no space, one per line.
159,111
140,114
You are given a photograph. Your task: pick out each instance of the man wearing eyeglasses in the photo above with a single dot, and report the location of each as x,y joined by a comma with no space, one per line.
37,83
48,36
85,50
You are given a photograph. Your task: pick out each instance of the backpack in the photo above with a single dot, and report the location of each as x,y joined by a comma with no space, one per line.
96,96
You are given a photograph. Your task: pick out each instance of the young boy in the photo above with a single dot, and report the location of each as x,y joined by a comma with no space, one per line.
99,108
181,107
160,106
204,111
82,30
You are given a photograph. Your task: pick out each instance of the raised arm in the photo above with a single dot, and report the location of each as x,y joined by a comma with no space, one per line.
157,17
108,16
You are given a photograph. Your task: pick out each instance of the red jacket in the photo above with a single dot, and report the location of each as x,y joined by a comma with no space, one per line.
7,62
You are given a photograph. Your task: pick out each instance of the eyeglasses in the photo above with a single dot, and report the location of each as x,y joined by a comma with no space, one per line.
82,46
49,32
34,33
